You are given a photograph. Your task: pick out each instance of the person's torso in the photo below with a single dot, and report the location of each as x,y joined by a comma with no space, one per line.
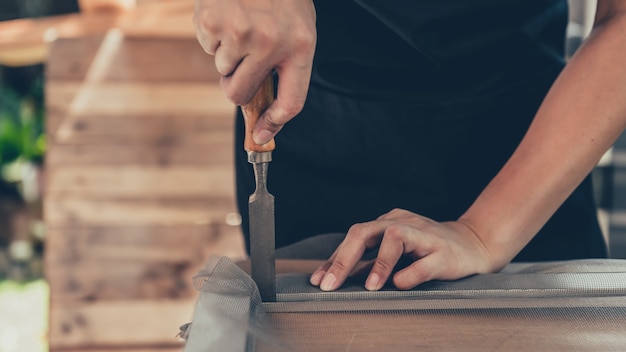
435,51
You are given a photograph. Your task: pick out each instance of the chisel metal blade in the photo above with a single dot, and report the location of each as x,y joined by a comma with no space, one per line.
262,247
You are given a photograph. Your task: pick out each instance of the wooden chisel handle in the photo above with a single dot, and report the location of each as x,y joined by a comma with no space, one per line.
263,98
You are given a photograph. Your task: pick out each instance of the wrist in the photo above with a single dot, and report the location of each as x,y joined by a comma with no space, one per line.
496,251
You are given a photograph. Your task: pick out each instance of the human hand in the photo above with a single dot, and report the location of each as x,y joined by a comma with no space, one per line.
444,251
249,38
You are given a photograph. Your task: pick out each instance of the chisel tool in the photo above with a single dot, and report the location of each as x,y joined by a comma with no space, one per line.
261,202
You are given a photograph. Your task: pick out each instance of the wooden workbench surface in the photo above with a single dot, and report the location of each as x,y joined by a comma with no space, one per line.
557,306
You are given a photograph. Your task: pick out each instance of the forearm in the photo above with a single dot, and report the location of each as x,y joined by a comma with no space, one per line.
582,115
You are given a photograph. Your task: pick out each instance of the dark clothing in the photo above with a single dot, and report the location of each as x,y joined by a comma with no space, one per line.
418,109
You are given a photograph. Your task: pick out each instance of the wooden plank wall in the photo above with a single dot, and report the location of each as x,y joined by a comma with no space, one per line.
139,188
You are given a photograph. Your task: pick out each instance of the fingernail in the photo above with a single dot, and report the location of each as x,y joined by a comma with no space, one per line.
372,282
317,277
262,137
328,282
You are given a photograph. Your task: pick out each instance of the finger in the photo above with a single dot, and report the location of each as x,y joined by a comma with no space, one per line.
208,43
361,270
359,238
243,83
397,214
318,275
227,59
204,31
293,85
392,247
420,271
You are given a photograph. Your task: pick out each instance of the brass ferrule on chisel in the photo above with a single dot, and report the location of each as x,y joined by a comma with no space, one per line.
259,157
260,162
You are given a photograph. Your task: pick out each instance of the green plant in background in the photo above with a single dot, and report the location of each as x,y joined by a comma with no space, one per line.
22,147
22,138
22,135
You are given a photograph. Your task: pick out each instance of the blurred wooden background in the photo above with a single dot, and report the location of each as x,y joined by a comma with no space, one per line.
139,187
139,172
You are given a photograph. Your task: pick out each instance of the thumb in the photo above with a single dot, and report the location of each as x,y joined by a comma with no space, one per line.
293,85
268,125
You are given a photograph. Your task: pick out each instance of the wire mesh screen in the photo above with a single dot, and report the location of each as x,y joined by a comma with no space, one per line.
558,306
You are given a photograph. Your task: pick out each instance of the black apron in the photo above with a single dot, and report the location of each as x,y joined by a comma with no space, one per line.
397,119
